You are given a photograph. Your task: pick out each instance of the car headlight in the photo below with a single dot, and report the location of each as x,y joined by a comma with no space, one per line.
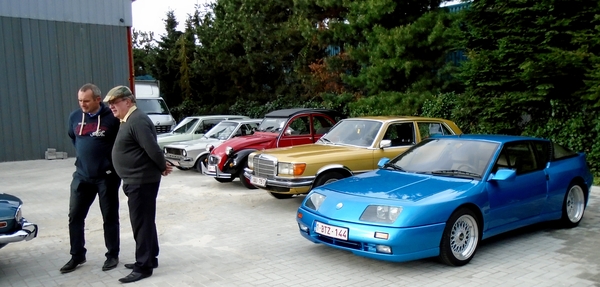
229,151
209,147
165,150
381,213
251,161
184,152
291,168
314,200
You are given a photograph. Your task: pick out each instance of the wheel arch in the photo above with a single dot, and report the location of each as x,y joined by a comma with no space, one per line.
476,210
334,167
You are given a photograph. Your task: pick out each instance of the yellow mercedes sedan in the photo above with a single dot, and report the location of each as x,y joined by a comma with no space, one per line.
352,146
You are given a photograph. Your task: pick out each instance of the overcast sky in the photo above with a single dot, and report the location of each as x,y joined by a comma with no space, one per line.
149,15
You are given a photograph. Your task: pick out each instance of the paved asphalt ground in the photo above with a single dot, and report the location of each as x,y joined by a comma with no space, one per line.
214,234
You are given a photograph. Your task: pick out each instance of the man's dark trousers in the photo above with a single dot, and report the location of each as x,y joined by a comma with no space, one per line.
142,213
83,193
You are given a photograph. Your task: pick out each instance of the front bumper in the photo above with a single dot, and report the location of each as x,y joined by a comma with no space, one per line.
28,231
406,243
295,185
181,161
214,171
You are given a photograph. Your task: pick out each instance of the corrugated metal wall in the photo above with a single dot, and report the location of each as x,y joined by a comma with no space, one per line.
42,65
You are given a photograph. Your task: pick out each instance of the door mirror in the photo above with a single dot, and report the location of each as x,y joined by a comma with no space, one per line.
504,174
382,162
385,143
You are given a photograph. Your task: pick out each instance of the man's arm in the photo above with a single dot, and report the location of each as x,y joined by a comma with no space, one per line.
143,131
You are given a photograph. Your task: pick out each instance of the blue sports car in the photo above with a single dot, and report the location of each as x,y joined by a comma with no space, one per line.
13,227
446,194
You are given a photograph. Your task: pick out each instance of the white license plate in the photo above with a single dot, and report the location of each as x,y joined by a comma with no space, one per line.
331,231
212,168
260,181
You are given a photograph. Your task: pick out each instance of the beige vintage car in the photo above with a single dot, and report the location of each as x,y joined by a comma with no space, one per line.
352,146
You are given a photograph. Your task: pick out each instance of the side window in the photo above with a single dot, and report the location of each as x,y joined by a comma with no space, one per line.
246,129
206,125
519,156
427,129
542,148
321,124
299,126
401,134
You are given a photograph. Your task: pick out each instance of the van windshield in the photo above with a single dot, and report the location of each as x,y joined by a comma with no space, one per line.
152,106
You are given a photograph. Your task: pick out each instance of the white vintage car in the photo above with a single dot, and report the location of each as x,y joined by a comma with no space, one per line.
192,128
194,153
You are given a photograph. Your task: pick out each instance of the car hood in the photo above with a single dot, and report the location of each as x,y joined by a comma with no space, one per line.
194,144
239,143
401,186
313,152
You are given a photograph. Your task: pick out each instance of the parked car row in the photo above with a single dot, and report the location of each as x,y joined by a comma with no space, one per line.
395,188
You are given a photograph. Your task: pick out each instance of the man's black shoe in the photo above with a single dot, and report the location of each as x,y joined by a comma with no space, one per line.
134,276
154,264
110,263
71,265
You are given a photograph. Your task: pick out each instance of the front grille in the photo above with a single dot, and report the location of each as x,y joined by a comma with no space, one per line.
175,151
214,160
341,243
264,166
163,129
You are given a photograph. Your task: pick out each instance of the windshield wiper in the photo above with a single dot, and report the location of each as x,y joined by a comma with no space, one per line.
393,166
455,172
325,140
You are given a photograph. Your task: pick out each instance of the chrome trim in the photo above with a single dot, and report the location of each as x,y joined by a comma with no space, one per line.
305,181
28,232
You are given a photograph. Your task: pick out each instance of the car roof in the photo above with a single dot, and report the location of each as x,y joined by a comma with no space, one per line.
217,117
493,138
284,113
244,121
392,118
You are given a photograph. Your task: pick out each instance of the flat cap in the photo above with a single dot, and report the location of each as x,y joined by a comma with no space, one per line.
117,93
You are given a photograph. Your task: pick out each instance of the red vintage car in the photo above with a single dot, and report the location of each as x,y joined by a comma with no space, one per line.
279,128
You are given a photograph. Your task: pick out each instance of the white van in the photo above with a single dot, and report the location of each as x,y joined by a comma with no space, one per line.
148,100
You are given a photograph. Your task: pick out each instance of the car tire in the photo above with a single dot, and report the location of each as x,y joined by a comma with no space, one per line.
200,163
245,181
328,177
573,205
281,195
460,238
223,180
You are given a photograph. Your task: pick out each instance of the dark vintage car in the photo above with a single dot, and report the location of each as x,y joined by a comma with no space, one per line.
13,227
281,128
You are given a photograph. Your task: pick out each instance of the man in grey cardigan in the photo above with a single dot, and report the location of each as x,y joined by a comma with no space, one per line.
140,162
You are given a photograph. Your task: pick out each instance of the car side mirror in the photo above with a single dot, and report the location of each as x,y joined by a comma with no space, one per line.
382,162
504,175
288,132
385,143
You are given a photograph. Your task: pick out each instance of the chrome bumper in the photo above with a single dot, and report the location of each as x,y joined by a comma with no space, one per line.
28,232
305,181
217,173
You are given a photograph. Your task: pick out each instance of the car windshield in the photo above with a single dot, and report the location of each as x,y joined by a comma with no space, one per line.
447,157
152,106
221,131
186,126
353,132
273,125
